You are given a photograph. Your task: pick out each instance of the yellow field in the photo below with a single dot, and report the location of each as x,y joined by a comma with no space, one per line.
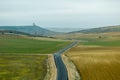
96,63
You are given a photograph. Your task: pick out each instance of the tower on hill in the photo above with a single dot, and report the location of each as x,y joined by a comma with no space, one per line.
34,24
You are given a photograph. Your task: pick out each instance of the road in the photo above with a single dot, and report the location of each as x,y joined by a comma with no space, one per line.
62,73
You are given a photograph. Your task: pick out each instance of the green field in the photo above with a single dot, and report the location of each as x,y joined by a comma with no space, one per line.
14,67
102,43
18,60
15,44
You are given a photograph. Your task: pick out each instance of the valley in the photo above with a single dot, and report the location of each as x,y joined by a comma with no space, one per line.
59,39
95,57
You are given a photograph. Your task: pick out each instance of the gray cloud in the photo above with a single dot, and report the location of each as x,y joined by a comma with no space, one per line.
60,13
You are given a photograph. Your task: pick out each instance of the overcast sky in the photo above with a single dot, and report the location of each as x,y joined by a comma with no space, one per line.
60,13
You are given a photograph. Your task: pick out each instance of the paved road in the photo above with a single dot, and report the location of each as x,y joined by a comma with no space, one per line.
61,68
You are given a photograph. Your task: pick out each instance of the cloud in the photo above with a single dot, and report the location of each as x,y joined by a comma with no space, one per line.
61,12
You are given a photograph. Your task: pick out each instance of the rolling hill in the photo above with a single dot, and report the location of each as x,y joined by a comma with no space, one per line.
100,30
105,33
32,30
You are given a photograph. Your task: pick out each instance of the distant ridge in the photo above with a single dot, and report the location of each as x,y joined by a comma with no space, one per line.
100,30
63,29
32,30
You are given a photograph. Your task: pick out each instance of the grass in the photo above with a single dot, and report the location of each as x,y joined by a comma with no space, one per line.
110,36
96,63
16,44
97,58
107,39
17,59
101,43
21,67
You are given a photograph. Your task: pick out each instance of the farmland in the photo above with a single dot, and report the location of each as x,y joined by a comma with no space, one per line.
14,67
97,58
102,43
22,45
96,63
25,58
110,36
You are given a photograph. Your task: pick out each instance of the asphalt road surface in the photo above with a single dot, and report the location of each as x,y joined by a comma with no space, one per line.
62,73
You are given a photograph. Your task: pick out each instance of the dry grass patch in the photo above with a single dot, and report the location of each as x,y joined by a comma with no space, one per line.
96,63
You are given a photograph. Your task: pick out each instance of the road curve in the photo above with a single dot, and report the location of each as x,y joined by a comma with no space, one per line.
62,73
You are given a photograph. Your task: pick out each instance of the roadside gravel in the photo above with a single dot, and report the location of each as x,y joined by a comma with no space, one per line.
51,68
71,68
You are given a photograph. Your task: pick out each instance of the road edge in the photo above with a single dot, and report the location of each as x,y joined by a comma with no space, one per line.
51,68
71,68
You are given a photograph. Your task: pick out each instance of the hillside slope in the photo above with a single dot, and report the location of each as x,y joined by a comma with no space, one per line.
100,30
34,30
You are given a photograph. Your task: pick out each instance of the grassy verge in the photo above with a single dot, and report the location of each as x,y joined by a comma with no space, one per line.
14,67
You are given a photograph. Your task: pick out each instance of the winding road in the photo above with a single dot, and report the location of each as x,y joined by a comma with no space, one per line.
62,73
